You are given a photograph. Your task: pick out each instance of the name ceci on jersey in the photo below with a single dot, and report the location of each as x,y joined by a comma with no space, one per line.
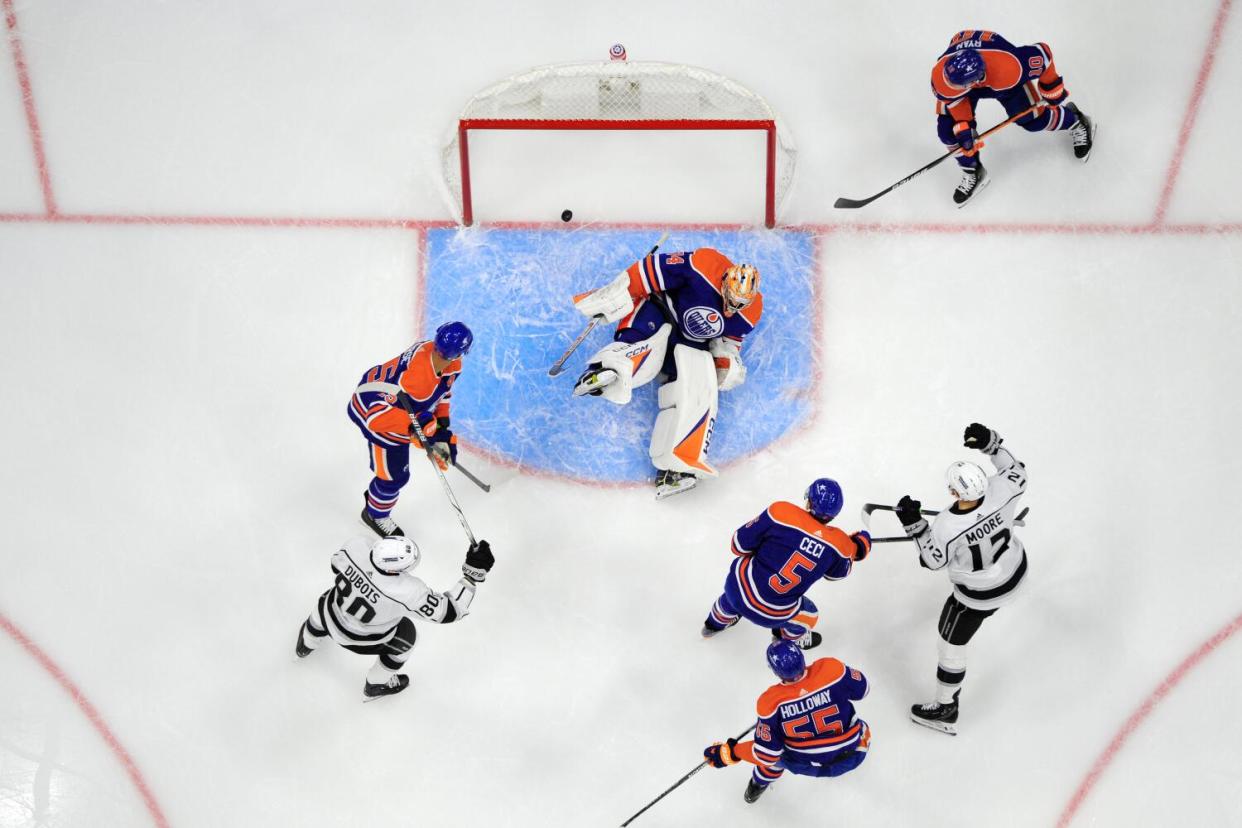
811,547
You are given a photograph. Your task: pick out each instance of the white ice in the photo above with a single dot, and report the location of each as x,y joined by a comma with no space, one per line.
178,466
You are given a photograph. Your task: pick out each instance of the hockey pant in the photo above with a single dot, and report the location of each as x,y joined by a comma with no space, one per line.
958,624
392,646
839,765
729,607
682,433
390,466
1050,118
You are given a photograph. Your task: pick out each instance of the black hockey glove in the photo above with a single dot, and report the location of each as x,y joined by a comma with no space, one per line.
979,436
908,511
720,754
479,562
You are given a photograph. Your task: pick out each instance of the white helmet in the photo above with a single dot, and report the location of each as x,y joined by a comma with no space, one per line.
395,554
966,481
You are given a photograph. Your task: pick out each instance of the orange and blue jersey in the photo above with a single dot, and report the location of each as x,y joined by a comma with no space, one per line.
810,727
780,555
1009,70
689,284
374,407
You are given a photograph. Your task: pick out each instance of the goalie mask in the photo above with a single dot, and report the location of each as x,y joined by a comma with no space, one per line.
739,287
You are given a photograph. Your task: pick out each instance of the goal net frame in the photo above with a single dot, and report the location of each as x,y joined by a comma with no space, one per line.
638,95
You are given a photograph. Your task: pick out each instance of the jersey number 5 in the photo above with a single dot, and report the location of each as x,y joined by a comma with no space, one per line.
788,577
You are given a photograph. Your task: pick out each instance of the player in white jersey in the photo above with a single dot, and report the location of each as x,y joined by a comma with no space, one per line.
974,541
368,609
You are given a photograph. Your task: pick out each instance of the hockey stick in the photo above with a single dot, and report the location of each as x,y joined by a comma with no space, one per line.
678,783
470,476
852,204
868,508
426,447
559,365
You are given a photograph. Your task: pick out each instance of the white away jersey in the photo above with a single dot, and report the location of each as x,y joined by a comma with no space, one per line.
365,605
986,561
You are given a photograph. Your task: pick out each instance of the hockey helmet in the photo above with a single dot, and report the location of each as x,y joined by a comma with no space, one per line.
965,68
395,554
453,339
966,481
739,287
786,660
824,499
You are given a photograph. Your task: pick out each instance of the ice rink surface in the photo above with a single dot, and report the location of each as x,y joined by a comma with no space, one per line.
215,216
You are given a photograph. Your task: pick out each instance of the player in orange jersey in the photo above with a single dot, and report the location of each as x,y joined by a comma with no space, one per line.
422,378
682,317
807,724
979,65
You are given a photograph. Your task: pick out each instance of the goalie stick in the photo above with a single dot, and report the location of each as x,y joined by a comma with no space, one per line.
679,783
559,365
853,204
868,508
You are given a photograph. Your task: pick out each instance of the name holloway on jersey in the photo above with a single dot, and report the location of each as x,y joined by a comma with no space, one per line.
986,561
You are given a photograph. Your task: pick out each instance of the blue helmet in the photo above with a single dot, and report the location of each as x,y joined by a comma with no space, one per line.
453,339
825,498
964,68
786,660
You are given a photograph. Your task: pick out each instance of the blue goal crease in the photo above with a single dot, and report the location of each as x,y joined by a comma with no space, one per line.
514,288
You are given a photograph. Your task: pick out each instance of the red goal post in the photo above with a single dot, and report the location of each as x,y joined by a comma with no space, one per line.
620,96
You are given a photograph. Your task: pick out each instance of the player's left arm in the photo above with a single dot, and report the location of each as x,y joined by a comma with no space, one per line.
726,349
1008,467
748,537
856,684
1051,85
454,603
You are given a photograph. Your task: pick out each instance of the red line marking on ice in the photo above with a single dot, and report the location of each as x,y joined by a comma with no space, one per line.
92,715
32,117
1140,715
1192,110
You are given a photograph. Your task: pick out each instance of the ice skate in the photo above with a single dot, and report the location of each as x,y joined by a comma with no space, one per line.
669,483
809,640
708,632
973,180
385,527
937,716
371,692
301,649
753,791
594,380
1082,132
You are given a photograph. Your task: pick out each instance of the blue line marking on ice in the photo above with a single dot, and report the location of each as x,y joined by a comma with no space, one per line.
514,288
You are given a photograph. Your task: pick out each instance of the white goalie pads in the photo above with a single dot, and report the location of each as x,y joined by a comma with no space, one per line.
636,363
683,428
730,370
612,301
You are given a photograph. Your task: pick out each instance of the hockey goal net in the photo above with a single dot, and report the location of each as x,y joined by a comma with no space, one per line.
620,96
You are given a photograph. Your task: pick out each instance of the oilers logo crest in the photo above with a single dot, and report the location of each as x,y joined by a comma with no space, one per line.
703,323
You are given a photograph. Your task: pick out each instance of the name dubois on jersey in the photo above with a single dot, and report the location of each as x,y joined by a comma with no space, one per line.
980,531
360,582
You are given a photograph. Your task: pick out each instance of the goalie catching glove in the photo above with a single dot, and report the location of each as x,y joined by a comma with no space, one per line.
730,371
611,302
479,562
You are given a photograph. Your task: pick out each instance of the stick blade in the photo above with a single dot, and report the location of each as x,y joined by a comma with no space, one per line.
850,204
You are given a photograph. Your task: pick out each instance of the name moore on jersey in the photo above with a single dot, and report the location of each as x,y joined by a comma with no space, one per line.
985,560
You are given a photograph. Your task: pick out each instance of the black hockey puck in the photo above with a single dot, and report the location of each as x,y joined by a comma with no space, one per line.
566,215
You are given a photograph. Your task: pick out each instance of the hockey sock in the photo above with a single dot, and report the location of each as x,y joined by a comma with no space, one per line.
719,618
950,670
310,640
383,670
381,497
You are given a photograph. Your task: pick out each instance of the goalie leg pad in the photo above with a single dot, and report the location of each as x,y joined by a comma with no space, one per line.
683,428
636,363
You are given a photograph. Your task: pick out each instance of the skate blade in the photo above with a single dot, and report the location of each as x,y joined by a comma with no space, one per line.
665,492
939,727
978,189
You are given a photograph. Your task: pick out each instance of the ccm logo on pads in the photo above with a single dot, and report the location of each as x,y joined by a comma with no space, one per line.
703,323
